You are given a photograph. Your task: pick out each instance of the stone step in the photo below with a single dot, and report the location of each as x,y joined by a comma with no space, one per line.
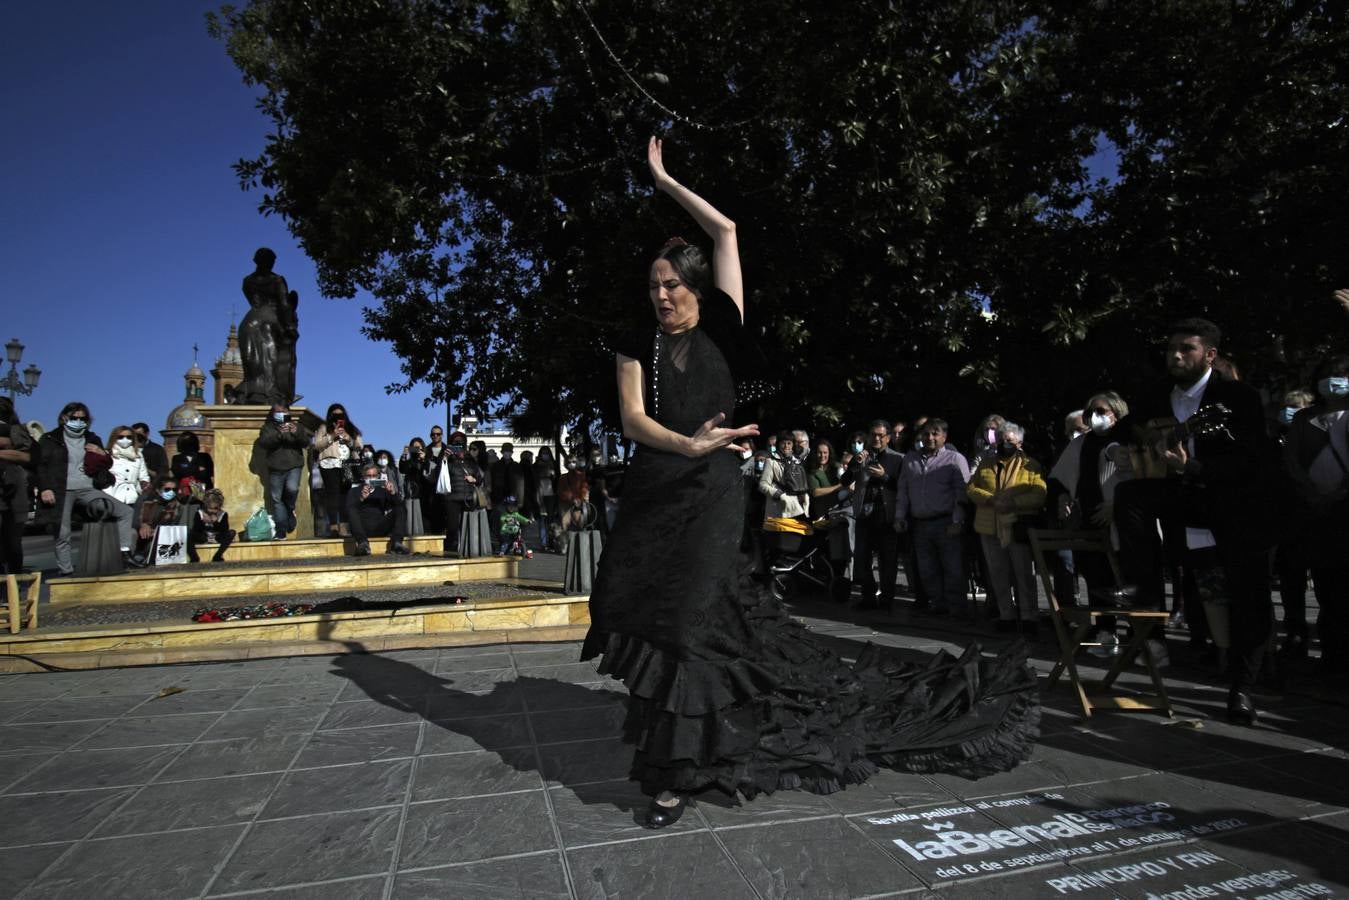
234,579
555,616
318,548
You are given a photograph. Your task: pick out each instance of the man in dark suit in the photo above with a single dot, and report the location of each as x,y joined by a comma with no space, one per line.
1211,499
873,476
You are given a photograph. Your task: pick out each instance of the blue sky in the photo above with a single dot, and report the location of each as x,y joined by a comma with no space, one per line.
126,235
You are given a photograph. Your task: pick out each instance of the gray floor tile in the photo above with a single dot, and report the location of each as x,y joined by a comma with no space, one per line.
241,756
15,768
570,673
1291,786
266,724
21,865
528,878
37,685
190,804
478,733
368,713
675,866
33,818
1312,853
82,769
585,762
192,701
146,731
315,848
477,682
473,773
177,864
365,888
77,708
722,811
540,655
273,696
1056,761
543,694
449,665
825,858
454,831
356,745
50,736
307,791
609,811
505,697
12,709
579,724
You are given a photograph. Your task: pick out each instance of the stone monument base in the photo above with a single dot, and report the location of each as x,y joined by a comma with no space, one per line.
241,466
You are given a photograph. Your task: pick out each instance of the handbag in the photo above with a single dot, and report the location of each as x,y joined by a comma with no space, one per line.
444,483
170,546
259,526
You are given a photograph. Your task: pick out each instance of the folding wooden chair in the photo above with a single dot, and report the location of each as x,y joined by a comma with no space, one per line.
22,609
1074,624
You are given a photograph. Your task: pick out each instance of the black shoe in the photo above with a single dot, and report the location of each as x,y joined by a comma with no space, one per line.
1240,709
362,549
133,561
658,816
400,548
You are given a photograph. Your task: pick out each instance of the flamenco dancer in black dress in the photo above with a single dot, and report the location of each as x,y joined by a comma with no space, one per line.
725,690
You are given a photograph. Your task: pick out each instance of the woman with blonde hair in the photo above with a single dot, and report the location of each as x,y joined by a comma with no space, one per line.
130,474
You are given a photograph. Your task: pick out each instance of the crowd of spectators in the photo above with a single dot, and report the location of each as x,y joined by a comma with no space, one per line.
1244,494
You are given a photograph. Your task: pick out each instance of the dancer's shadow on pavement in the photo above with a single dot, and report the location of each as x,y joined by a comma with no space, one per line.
492,719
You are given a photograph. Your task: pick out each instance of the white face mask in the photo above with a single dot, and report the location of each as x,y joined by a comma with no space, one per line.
1100,423
746,454
1335,386
858,447
124,442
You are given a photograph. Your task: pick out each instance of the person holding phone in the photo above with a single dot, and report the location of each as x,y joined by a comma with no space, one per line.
336,441
375,509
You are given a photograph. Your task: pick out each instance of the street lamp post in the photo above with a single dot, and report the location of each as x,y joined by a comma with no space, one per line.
11,382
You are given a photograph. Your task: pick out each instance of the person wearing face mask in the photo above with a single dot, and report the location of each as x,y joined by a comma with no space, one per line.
986,438
162,505
156,459
376,509
456,479
545,481
873,478
1081,490
130,475
283,438
1213,498
1007,491
65,484
191,463
338,442
1316,455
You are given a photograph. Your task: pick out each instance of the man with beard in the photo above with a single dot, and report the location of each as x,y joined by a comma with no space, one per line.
1210,500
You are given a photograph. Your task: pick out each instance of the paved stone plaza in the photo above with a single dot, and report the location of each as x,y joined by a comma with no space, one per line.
496,772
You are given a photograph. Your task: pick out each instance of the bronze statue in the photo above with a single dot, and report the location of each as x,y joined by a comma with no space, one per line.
267,336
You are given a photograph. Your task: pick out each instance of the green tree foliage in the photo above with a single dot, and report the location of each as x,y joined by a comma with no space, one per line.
918,225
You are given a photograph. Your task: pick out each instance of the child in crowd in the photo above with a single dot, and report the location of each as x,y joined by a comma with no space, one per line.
210,525
512,520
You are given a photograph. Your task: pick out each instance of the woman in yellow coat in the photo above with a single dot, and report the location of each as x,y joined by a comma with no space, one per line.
1008,488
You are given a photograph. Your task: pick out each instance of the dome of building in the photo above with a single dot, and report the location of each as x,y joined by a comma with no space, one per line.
186,417
196,372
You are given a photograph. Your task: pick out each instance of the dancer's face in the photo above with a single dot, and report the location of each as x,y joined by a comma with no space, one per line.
675,305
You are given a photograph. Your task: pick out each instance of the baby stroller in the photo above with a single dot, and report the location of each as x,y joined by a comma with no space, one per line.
798,554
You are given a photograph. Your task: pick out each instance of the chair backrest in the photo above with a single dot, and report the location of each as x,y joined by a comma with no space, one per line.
1045,541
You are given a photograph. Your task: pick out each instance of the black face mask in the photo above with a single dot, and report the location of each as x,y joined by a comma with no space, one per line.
1006,451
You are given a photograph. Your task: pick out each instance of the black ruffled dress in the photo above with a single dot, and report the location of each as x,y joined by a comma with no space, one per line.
728,691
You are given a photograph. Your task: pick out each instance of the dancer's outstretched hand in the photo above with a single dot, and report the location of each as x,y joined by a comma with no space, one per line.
657,163
711,436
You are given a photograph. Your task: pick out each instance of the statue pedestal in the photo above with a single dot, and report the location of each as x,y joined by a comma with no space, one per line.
241,466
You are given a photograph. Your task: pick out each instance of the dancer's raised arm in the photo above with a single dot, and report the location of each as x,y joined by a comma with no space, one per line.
725,251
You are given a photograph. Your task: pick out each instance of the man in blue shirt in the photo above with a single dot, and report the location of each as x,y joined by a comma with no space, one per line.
931,485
